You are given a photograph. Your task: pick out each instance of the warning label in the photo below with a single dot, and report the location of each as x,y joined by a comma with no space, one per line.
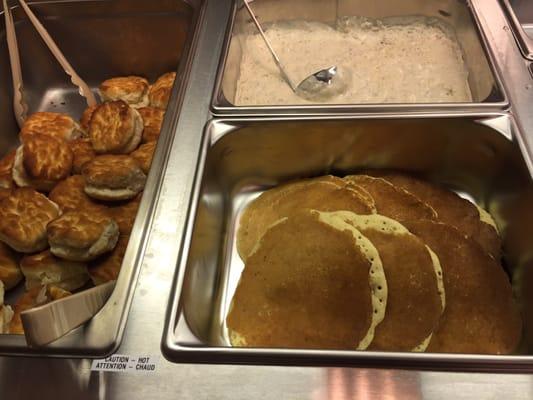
126,363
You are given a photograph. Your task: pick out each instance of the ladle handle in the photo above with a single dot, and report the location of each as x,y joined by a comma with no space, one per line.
274,55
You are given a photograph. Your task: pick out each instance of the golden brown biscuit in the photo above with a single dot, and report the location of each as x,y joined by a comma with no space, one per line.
86,117
131,89
480,315
107,267
10,273
451,209
322,194
115,128
57,293
82,235
153,119
83,151
113,177
6,167
6,312
161,89
23,219
25,302
124,214
70,195
34,297
144,155
41,162
46,269
60,126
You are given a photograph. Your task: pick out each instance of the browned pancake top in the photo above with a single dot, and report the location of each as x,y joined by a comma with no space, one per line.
306,286
480,314
391,201
321,194
451,209
413,305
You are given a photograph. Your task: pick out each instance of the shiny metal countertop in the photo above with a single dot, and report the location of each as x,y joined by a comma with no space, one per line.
24,378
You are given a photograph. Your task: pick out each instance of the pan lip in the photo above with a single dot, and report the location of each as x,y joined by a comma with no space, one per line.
190,350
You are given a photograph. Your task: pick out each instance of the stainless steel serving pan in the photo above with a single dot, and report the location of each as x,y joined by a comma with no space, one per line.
485,85
520,14
101,39
476,154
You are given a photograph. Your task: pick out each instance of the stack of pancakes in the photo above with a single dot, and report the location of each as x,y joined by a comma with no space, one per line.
70,192
383,262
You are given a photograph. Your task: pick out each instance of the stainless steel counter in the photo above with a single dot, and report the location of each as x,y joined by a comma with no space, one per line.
22,378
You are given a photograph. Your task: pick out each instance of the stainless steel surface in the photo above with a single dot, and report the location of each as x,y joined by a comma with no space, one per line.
476,155
484,83
520,14
23,378
167,30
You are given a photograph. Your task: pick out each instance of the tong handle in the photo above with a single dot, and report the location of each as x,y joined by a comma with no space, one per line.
19,105
84,89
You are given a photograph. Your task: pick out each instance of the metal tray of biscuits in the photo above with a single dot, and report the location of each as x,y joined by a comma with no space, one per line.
245,63
478,155
118,38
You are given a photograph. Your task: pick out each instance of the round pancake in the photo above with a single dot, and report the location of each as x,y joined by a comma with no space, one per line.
153,119
107,267
41,162
144,155
113,177
480,314
23,219
82,235
60,126
115,128
70,195
391,201
160,91
452,210
322,194
124,214
416,295
10,273
309,284
6,168
86,117
131,89
83,151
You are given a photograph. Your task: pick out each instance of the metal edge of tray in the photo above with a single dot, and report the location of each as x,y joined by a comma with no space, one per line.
175,324
524,41
102,335
218,109
517,76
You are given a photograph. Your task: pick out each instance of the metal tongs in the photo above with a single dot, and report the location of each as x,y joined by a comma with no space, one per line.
46,323
20,106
